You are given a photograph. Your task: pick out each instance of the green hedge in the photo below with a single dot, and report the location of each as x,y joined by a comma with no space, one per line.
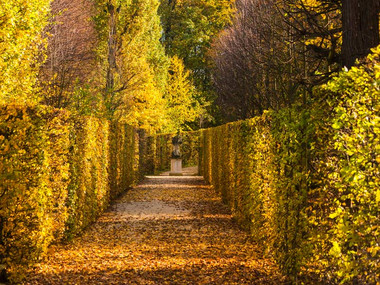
305,180
57,174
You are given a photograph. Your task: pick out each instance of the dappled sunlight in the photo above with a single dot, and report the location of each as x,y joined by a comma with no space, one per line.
156,235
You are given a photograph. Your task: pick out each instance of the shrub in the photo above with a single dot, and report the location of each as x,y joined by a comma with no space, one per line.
58,173
34,178
305,180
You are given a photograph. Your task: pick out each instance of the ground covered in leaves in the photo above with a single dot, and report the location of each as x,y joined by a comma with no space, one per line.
168,230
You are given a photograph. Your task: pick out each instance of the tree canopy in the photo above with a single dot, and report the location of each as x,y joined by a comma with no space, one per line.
276,52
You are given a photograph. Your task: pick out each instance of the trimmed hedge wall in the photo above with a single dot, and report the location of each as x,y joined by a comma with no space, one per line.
57,174
306,180
34,179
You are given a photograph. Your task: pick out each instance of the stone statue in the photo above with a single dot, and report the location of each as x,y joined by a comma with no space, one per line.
176,141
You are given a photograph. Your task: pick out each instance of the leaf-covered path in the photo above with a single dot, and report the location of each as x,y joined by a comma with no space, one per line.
168,230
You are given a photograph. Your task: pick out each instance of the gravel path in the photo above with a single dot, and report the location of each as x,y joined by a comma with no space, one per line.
168,230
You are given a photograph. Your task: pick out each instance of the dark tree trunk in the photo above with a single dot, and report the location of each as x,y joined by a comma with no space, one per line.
360,29
111,49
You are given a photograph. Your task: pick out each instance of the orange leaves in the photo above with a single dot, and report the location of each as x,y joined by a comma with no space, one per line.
196,243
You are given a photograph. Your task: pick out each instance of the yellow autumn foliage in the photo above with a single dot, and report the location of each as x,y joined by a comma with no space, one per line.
305,180
58,173
21,47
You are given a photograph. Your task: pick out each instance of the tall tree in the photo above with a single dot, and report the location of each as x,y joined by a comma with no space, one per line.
360,28
189,28
133,60
180,97
71,58
21,48
277,51
256,63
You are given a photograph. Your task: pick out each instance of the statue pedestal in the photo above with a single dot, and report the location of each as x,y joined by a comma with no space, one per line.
176,167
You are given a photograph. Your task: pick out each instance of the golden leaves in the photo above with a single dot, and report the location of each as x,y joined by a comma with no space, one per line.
20,40
196,243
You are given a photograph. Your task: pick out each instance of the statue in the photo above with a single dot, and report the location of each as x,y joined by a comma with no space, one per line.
176,161
176,141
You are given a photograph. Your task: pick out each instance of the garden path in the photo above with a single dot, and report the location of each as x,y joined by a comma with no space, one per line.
167,230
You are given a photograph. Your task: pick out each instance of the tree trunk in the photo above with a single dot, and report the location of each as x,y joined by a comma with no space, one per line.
360,29
111,49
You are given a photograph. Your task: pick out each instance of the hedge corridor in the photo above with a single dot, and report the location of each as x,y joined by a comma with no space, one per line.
305,181
59,172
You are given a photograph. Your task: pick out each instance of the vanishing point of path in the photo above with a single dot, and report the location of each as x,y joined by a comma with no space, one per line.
167,230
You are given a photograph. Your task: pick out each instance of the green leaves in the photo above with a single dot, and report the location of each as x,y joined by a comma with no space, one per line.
356,97
189,27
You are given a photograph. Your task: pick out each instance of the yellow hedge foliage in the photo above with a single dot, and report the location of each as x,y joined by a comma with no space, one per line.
34,176
57,174
124,158
89,189
305,180
347,148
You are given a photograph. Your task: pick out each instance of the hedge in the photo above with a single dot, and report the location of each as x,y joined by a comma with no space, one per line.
57,174
34,178
306,181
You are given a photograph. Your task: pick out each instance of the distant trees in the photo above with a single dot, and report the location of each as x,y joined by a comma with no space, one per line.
277,51
189,27
109,57
133,59
105,58
256,65
71,57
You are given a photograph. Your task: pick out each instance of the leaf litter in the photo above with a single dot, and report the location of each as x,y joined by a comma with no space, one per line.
167,230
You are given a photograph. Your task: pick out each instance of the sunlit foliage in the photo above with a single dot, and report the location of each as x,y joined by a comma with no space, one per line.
21,47
58,173
189,27
34,176
133,61
180,96
306,180
355,226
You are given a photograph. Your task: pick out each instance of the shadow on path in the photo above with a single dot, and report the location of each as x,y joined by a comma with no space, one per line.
167,230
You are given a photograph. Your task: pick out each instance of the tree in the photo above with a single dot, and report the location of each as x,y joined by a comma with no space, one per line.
276,52
132,61
71,59
316,24
360,29
21,48
256,66
189,28
180,95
